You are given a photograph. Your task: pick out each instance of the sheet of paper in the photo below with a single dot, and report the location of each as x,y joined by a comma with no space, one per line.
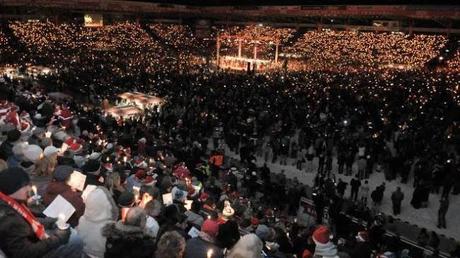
167,199
188,204
87,191
77,180
193,232
60,207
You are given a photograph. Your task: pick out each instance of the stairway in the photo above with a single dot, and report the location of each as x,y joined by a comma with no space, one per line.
445,53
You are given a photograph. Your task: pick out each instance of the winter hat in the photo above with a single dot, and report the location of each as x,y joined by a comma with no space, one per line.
13,179
324,247
50,150
263,232
62,173
254,221
92,166
126,199
33,153
38,131
18,148
210,227
13,135
95,156
321,235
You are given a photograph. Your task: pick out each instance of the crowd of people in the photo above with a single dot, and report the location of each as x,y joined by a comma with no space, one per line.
163,186
356,50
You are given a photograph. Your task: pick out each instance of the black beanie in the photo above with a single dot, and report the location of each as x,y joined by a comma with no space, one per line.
13,135
126,199
13,179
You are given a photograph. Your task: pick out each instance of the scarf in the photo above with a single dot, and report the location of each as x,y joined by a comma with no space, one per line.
37,227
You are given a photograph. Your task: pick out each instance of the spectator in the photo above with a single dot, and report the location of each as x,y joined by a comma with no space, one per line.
59,186
100,210
127,238
28,239
200,246
396,198
171,245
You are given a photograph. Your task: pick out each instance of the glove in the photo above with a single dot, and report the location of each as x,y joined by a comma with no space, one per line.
62,235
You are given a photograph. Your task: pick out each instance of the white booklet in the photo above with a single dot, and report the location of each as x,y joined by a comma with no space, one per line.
167,199
193,232
60,208
77,181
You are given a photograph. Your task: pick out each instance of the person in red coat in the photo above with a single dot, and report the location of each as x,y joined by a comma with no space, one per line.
59,186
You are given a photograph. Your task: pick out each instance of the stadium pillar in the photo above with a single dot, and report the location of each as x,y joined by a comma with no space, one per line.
255,51
276,52
218,52
239,48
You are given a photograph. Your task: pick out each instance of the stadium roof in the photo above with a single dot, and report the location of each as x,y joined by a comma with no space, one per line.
302,2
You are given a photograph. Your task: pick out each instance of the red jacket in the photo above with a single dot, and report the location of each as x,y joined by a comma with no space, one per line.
54,188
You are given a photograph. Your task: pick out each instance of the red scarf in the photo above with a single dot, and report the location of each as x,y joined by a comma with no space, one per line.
37,227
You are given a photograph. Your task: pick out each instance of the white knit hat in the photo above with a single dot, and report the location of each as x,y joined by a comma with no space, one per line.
33,153
50,150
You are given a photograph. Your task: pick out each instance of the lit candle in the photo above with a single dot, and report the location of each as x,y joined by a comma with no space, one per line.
34,189
48,134
209,253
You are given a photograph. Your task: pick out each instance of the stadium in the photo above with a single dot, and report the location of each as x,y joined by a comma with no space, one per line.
215,128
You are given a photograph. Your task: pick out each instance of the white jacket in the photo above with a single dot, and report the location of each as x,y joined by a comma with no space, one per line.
100,210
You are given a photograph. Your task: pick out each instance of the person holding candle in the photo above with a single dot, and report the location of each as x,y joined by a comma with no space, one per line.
100,210
205,244
29,237
128,238
59,186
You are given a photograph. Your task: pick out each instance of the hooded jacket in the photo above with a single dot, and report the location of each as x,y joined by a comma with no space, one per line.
100,210
125,241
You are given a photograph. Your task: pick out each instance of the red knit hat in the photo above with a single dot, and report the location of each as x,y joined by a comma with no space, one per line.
321,235
210,227
75,147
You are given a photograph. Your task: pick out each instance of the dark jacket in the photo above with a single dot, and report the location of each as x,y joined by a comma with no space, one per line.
6,150
362,250
127,241
55,188
17,239
198,247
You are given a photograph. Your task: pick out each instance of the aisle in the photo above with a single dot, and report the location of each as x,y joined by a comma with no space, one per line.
426,217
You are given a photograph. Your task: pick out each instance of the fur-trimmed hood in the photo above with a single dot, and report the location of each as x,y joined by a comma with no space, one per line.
121,231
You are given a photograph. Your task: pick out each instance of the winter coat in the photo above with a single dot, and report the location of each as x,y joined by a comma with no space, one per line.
100,210
397,197
198,247
17,239
125,241
56,188
6,150
362,250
